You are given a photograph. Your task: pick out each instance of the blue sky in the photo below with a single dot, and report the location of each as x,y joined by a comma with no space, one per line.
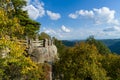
77,19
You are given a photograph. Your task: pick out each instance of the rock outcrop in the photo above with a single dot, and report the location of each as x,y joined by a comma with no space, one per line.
40,51
41,54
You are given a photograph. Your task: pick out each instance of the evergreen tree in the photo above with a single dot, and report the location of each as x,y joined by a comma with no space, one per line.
102,48
44,35
31,27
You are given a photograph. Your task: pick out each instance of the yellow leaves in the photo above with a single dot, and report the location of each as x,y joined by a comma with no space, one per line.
29,67
17,27
3,18
15,48
9,26
16,60
2,13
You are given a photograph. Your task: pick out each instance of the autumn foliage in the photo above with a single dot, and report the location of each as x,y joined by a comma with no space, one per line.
85,61
14,64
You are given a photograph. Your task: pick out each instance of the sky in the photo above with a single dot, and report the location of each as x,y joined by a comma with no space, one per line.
76,19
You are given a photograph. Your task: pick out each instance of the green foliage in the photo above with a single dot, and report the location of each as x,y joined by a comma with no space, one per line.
91,60
14,65
31,27
102,48
60,47
43,35
111,63
17,17
81,62
18,4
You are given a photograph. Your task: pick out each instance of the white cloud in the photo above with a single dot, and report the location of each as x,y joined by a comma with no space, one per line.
58,32
32,11
53,16
73,16
82,13
52,32
65,29
35,9
86,13
83,33
110,29
101,16
104,14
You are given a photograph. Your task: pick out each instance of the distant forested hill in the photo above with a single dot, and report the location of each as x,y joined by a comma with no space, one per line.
113,44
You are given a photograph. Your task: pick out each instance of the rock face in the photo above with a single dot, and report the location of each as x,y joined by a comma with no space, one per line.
44,53
40,51
47,52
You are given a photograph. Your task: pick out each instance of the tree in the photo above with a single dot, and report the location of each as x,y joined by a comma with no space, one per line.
9,27
81,63
13,9
31,27
102,48
14,64
44,35
111,63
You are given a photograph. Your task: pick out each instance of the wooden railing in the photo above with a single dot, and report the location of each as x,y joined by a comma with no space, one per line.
35,43
39,43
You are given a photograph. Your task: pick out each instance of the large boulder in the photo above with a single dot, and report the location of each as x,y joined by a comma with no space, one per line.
42,54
